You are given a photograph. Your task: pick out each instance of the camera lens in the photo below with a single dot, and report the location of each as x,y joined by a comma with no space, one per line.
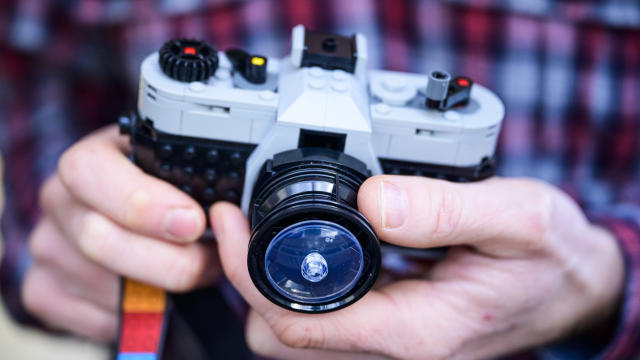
311,250
298,260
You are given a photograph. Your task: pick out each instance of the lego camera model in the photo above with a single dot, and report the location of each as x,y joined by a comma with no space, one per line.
291,140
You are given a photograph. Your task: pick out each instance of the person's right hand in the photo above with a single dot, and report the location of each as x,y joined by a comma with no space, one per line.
103,217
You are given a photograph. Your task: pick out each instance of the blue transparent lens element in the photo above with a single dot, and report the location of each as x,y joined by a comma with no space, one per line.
314,261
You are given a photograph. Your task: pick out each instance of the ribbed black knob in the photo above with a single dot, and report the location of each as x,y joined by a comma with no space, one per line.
188,60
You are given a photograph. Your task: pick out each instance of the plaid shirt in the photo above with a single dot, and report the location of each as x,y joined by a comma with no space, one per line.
568,72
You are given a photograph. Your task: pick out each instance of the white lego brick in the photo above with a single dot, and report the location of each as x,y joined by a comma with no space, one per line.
392,90
308,111
413,118
297,45
223,61
260,128
362,57
260,122
380,143
242,113
417,81
280,137
273,66
384,129
347,99
474,147
360,147
388,86
436,149
221,79
155,80
232,98
302,97
166,114
489,110
323,99
215,123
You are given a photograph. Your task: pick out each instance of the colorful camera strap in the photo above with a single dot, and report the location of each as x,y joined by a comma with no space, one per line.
144,313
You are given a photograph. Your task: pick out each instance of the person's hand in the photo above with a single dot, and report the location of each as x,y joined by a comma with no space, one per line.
103,217
526,268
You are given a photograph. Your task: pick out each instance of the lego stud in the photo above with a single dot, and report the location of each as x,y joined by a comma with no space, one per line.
124,124
212,156
189,153
210,175
165,151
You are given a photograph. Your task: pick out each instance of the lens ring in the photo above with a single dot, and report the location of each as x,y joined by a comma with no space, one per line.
282,197
299,258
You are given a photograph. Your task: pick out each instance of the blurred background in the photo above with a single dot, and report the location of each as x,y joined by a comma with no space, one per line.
566,70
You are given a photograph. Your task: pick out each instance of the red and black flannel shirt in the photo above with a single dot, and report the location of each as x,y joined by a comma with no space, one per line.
568,72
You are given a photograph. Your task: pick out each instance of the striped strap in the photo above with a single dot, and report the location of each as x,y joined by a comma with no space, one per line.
143,318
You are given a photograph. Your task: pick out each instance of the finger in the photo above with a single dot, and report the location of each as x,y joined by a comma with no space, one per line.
177,267
342,330
497,216
263,341
232,234
45,298
97,173
81,277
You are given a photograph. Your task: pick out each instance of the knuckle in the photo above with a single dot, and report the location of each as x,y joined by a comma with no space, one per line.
235,274
93,239
538,216
71,163
458,347
254,342
40,245
31,294
137,207
446,206
257,342
187,270
48,193
300,334
104,328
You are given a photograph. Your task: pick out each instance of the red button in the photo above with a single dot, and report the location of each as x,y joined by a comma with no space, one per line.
463,82
189,50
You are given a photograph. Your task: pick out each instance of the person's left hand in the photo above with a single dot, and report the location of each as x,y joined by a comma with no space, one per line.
526,268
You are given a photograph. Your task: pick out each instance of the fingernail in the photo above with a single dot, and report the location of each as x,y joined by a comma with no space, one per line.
182,224
393,205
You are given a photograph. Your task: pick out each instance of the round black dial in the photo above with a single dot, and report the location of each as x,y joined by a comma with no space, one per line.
188,60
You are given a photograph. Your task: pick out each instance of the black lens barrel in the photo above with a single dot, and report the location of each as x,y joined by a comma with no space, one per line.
310,184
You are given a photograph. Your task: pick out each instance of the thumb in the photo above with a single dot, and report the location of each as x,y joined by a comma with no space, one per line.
497,216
